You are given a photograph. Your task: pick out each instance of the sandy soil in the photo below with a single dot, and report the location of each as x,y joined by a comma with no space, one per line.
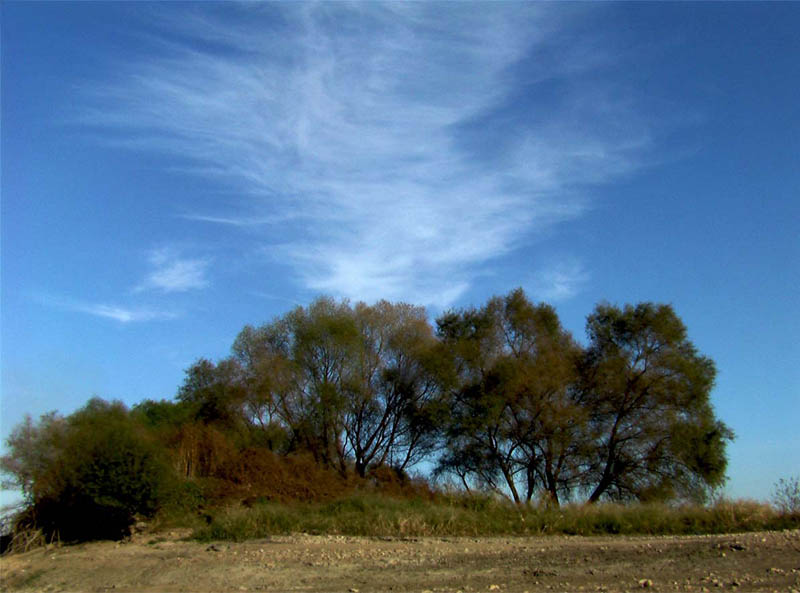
166,562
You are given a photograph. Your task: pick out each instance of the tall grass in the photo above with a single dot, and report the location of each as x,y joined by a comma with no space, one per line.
373,515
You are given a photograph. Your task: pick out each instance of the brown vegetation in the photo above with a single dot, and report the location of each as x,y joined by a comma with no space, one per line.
333,402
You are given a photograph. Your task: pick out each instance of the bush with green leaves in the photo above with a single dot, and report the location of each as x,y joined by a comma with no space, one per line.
86,476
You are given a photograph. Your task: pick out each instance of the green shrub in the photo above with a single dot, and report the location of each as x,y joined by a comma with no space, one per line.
86,476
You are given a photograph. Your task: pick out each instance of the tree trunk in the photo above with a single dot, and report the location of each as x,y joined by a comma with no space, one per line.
361,467
552,492
510,481
605,482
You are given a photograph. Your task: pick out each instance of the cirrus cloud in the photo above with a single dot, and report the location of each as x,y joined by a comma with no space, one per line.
398,148
122,314
172,273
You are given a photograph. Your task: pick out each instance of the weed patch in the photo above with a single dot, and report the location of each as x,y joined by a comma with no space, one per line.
371,515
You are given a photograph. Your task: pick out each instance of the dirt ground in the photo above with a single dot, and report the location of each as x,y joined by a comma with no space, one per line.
166,562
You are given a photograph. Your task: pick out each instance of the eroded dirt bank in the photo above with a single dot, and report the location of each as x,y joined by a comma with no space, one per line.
163,562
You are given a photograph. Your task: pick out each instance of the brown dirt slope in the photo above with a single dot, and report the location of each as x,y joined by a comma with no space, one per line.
767,561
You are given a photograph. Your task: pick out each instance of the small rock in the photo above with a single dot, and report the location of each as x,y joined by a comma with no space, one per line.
737,547
494,587
213,548
353,590
645,583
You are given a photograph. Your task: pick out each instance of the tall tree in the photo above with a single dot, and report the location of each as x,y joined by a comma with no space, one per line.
648,391
352,384
214,391
391,396
324,341
269,377
516,422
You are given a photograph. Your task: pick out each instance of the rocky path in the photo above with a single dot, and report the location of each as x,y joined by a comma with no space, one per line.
165,562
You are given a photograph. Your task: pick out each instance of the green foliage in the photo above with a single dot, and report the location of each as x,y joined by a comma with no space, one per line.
647,390
627,418
182,496
214,392
86,476
345,384
163,414
182,504
516,419
335,399
34,447
369,515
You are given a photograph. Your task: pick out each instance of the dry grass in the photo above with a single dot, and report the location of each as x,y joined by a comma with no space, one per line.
373,515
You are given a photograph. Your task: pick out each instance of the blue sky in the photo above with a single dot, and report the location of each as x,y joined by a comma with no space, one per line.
172,172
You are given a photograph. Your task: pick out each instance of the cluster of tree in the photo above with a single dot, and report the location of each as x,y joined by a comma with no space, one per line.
626,417
499,397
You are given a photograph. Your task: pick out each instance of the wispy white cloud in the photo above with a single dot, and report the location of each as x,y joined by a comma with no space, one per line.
107,311
172,273
558,281
400,147
230,220
122,314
